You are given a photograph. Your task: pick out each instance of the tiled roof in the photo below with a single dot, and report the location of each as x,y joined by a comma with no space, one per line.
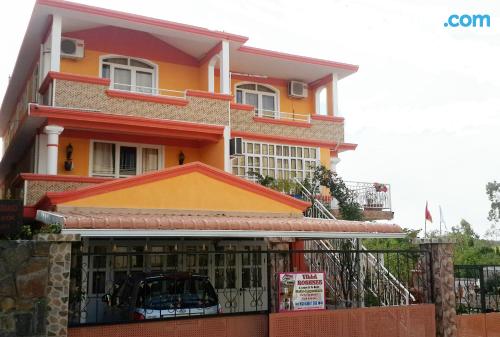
142,220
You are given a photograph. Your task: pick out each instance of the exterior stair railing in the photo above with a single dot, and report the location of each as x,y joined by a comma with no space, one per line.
371,276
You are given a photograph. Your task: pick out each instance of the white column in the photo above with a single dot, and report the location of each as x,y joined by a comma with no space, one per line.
227,157
53,132
211,73
335,96
55,44
333,163
225,82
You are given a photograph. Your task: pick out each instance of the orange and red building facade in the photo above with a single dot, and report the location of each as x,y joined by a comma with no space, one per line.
119,128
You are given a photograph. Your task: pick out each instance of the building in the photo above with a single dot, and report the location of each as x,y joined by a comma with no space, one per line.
139,134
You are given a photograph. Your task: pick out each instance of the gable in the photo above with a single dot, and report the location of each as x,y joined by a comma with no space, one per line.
132,43
190,187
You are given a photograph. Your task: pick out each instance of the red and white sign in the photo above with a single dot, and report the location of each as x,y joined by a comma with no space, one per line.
301,291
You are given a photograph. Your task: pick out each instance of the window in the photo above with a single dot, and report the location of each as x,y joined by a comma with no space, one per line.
275,160
129,74
124,160
263,98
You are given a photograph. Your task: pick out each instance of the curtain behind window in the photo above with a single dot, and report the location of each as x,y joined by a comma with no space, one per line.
149,160
104,159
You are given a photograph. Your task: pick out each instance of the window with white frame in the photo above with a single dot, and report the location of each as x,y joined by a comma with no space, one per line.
262,97
276,160
129,74
124,160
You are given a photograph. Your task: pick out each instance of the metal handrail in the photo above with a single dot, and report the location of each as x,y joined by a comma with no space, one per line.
148,90
275,114
316,204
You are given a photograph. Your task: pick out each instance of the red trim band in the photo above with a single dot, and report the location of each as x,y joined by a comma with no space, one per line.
62,197
141,19
238,106
281,122
333,119
52,75
293,141
88,120
303,59
54,145
146,97
207,94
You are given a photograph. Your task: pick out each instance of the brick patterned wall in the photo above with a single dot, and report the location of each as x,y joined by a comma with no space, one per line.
407,321
36,189
320,130
234,326
93,96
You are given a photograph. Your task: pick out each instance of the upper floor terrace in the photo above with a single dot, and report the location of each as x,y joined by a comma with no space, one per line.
118,55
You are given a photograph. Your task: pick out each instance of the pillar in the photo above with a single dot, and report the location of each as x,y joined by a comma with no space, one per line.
53,132
57,292
55,43
439,275
225,81
334,161
211,73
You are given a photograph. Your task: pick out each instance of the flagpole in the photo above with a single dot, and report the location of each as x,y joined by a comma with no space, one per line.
440,221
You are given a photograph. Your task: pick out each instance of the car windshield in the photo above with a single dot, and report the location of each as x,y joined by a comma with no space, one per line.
172,293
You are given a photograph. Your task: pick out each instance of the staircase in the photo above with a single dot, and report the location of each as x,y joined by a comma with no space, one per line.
351,272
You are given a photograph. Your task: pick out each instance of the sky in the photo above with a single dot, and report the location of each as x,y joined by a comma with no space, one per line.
424,106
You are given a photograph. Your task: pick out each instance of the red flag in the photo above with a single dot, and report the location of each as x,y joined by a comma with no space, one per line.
428,216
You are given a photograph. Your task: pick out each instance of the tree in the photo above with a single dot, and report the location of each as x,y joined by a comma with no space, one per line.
493,192
349,208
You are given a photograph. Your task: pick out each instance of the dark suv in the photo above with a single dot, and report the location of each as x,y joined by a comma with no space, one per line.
153,296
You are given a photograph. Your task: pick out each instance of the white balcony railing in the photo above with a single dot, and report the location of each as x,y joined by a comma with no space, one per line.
282,115
148,90
371,195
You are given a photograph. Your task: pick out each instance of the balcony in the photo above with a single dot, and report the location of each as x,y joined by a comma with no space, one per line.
99,95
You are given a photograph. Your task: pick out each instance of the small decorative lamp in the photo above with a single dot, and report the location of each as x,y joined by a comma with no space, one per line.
181,158
68,164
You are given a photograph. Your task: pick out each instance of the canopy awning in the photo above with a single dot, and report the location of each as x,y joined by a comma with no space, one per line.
95,222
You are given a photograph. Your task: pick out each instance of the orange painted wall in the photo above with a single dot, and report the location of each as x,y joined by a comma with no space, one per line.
287,104
191,154
170,75
188,191
81,154
213,154
324,157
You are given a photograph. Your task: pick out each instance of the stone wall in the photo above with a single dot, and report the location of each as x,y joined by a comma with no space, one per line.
24,269
441,285
34,286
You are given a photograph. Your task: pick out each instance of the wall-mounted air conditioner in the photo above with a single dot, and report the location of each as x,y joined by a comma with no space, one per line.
72,48
297,89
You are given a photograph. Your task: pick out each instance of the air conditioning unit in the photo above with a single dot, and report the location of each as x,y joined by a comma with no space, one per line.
72,48
297,89
236,146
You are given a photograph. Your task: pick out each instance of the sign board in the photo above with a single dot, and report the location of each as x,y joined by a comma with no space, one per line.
11,216
301,291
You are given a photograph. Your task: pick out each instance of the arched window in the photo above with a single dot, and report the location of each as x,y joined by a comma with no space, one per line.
129,74
263,98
